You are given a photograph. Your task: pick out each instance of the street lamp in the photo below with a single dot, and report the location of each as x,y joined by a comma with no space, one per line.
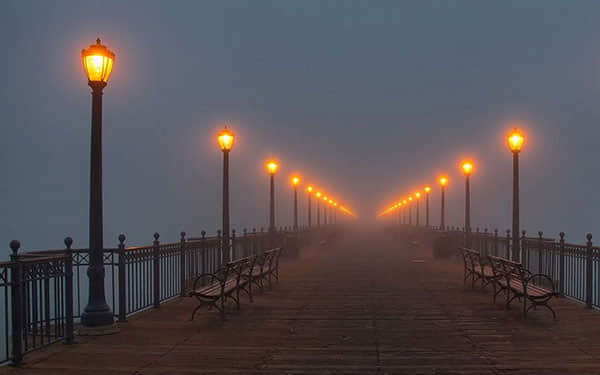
272,169
418,198
410,198
309,190
325,210
335,212
467,168
515,143
225,139
97,64
404,202
427,191
318,200
443,183
295,182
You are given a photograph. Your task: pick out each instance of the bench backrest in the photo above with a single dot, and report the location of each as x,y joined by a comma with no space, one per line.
471,257
235,269
507,268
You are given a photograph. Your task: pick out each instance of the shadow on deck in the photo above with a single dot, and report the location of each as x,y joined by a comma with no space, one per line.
356,308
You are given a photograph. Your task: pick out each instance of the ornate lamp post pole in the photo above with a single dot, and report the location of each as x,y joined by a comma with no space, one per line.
325,210
272,169
309,190
404,203
225,139
418,198
295,182
97,64
467,168
318,200
427,191
443,183
335,212
515,143
410,210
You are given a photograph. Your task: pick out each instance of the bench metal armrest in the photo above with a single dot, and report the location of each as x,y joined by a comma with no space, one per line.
543,276
213,277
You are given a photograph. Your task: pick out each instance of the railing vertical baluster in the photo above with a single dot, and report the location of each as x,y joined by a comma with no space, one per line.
182,265
524,257
485,242
588,272
245,243
122,281
232,254
156,257
17,304
508,247
69,291
540,250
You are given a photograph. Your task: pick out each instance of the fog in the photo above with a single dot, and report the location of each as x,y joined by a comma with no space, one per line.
366,100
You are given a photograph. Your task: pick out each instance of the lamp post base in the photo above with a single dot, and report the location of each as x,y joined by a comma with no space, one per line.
109,329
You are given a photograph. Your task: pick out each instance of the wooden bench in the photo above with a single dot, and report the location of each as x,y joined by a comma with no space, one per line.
517,282
477,268
213,289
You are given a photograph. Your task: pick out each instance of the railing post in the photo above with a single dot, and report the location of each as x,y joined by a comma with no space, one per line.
540,249
182,265
508,254
156,262
254,245
561,260
495,242
521,250
233,255
485,241
262,240
17,304
122,281
588,272
69,291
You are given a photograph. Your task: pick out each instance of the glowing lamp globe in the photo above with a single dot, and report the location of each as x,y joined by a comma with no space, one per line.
427,189
467,167
418,195
404,201
515,140
295,180
309,189
443,181
225,139
410,198
318,194
272,167
97,62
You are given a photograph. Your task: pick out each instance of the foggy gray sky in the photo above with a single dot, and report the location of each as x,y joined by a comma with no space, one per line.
370,99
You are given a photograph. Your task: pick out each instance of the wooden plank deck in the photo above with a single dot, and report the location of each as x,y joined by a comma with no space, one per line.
355,308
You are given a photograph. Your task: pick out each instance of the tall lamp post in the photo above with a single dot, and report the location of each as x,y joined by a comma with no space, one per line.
318,200
410,210
467,168
309,190
418,198
335,212
404,203
331,211
443,183
272,169
295,182
325,210
515,143
97,63
225,139
427,191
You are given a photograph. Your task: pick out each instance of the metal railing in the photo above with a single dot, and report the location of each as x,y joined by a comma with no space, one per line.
43,293
574,268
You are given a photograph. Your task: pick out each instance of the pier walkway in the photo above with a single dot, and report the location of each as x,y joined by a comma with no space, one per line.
357,307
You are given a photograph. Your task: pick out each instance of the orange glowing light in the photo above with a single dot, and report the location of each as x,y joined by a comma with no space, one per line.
515,140
418,195
443,181
318,194
427,189
272,167
225,139
410,198
309,189
97,62
467,167
325,198
404,201
295,180
331,201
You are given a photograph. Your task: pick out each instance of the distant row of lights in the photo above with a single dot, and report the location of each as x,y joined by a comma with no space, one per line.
515,142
